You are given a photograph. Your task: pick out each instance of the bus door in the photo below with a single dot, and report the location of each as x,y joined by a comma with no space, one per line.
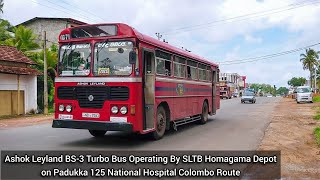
214,92
148,88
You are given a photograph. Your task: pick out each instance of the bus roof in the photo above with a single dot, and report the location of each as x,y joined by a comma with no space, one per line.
126,31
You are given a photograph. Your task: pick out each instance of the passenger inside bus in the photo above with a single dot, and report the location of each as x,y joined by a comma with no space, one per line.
168,68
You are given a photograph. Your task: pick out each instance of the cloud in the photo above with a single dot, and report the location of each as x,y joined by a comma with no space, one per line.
251,39
201,27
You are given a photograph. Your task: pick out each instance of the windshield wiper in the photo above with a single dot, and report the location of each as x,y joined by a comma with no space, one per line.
99,49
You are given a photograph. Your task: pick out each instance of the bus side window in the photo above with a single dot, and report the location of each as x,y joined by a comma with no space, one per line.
188,72
167,65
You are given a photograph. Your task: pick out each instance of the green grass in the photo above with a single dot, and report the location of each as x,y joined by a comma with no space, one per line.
317,135
316,99
316,117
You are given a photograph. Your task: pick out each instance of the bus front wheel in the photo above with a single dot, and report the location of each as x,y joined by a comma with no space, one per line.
97,133
204,114
160,126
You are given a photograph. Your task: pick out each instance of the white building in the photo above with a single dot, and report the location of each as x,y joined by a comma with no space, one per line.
18,82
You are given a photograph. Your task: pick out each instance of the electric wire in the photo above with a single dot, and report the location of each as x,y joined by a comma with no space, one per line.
240,18
264,57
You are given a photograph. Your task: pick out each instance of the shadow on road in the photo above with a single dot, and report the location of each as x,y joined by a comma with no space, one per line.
122,140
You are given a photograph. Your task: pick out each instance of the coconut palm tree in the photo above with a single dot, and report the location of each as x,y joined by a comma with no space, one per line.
1,6
310,61
23,39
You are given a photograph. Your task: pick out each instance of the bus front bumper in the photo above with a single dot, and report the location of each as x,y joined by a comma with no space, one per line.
92,125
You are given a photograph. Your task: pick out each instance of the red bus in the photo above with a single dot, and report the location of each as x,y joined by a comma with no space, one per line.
113,78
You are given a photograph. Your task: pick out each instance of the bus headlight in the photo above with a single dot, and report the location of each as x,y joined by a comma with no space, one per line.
69,108
123,110
61,107
114,109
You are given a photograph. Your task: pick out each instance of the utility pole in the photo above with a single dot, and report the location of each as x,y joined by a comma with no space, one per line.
45,75
159,36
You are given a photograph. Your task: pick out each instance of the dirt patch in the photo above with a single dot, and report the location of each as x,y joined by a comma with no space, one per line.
27,120
291,131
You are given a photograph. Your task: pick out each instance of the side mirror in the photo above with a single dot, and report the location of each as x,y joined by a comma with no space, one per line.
132,57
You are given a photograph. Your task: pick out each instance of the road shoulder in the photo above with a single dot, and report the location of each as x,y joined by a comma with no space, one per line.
291,131
23,121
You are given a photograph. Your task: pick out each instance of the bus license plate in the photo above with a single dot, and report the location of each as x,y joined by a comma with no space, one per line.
65,116
91,115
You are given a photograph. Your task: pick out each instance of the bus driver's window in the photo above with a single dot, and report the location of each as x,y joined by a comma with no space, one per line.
148,61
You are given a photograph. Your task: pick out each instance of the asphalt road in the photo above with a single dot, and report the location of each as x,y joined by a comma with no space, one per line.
235,127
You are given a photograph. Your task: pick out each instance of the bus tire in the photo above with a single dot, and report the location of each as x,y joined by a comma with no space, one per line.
204,114
160,127
97,133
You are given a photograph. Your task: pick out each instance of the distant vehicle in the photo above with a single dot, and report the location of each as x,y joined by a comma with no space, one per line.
248,97
269,95
278,95
225,91
303,94
235,94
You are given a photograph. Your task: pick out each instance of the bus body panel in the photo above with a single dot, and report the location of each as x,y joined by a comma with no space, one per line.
105,111
183,96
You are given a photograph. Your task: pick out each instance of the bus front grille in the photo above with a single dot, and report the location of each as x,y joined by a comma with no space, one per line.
119,93
98,94
92,97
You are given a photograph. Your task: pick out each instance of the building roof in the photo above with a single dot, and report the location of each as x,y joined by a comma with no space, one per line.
19,70
48,18
9,53
12,54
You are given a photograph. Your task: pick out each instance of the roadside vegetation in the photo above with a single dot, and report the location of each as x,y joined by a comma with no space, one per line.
317,135
316,99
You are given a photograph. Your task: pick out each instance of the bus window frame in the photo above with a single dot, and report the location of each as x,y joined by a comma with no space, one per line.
191,66
134,44
205,79
71,43
170,60
185,66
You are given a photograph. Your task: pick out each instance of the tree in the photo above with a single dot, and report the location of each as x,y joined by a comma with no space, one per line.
310,61
282,91
300,81
23,39
1,6
6,31
52,59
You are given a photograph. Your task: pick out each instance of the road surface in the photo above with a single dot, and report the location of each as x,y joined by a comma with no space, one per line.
235,127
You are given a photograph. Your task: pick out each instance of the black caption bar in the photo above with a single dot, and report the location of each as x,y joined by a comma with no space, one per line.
140,164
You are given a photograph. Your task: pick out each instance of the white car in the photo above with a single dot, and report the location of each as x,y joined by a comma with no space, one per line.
269,95
248,97
303,94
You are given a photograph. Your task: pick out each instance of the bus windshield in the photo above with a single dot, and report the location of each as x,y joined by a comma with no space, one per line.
112,58
75,60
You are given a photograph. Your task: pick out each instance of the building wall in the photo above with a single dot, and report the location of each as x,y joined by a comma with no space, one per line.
28,83
52,27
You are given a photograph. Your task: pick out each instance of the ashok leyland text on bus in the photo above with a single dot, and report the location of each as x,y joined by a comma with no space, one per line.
113,78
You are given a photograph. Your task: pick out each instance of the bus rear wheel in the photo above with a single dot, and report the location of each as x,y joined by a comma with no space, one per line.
205,113
97,133
160,127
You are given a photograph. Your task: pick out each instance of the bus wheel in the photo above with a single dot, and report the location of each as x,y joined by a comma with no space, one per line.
97,133
160,124
204,115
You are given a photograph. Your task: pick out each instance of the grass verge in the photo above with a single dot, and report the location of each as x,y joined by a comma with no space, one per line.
317,135
317,116
316,99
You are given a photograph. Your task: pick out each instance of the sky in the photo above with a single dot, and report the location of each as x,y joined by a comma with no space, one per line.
219,30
